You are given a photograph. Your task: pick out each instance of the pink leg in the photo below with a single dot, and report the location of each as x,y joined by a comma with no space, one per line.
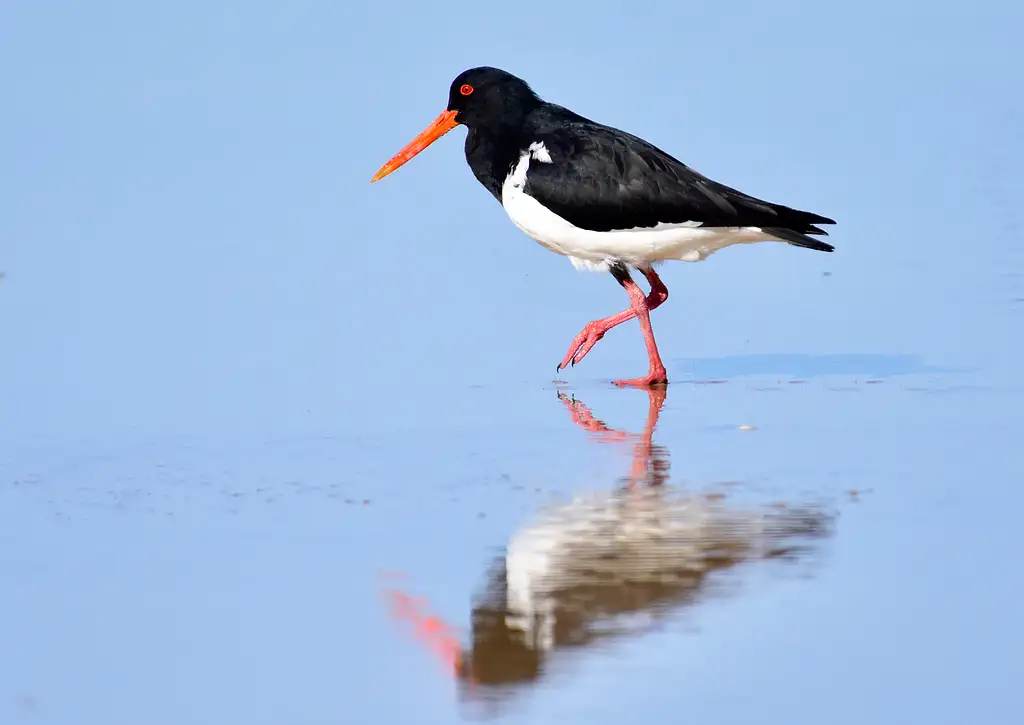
656,375
594,331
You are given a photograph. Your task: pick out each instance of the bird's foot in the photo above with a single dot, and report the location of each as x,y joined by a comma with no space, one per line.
656,377
584,342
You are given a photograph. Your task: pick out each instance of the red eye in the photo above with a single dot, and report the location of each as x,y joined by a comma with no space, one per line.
466,89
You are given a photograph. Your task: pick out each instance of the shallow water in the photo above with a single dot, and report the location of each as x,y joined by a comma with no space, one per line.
277,446
261,578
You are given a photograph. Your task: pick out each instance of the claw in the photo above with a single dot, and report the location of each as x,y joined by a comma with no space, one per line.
575,353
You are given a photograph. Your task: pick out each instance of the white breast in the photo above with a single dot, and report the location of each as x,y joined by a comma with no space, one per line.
586,249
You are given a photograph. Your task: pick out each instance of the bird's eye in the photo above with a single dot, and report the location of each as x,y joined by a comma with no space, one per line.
466,89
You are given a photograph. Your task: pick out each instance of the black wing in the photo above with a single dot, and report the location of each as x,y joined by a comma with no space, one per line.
603,179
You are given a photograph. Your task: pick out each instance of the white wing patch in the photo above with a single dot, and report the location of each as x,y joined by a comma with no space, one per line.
540,152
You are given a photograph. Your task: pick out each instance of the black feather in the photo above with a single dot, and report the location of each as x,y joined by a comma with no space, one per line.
798,240
605,179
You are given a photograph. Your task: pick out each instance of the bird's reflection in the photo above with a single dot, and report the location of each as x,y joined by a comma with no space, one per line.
608,564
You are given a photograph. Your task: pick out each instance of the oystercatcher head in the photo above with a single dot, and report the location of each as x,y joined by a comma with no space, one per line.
602,197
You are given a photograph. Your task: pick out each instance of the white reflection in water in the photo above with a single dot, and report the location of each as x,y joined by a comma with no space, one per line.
608,564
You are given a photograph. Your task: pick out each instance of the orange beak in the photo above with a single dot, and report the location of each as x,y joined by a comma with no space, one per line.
441,125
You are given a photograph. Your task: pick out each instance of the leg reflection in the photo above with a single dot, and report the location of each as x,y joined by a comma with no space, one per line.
650,461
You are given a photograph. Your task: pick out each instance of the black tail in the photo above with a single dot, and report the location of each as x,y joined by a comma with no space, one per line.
797,225
798,239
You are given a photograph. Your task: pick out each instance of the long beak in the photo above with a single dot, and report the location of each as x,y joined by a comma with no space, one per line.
441,125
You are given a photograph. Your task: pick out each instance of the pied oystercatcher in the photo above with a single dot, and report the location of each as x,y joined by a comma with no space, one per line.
604,198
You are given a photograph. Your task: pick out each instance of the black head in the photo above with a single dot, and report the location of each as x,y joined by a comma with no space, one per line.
486,99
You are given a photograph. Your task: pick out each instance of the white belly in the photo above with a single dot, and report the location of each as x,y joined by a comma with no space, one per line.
586,249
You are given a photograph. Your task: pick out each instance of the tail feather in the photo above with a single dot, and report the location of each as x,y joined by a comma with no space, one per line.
811,218
789,224
799,239
795,226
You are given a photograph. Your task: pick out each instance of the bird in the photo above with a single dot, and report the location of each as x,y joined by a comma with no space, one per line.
608,200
